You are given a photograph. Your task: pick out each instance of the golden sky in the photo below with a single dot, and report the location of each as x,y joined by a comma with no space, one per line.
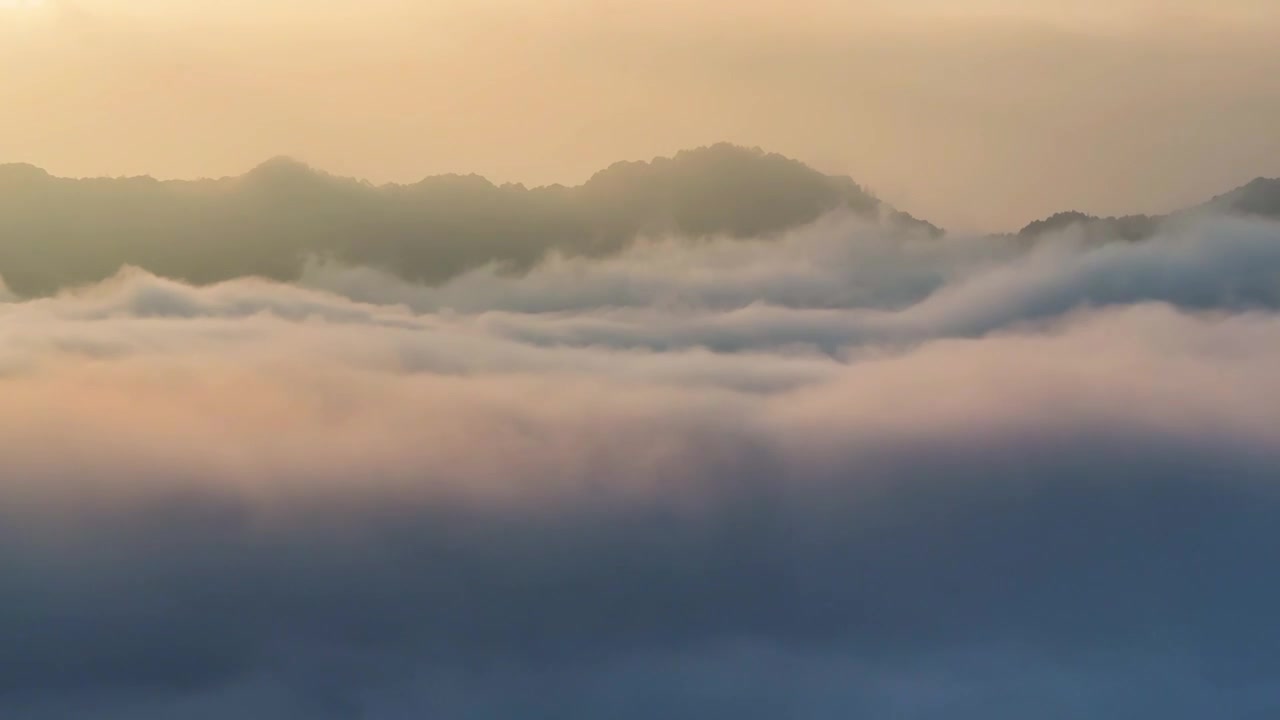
975,115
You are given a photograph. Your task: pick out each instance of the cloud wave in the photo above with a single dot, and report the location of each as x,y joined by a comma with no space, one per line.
834,473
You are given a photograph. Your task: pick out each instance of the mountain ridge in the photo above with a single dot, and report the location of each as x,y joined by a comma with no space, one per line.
60,231
57,232
1259,197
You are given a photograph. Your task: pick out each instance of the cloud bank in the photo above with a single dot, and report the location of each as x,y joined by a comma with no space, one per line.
835,472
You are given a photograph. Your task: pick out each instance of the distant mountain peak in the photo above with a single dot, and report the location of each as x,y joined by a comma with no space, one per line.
1055,222
281,167
1260,196
22,172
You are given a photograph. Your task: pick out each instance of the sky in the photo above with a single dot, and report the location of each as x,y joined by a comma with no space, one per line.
975,115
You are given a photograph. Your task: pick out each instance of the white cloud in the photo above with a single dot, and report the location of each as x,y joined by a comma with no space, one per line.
926,466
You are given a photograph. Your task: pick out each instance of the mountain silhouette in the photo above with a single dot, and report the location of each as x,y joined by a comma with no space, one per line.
1258,198
61,232
58,232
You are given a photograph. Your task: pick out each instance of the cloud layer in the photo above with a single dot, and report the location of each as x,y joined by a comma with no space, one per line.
834,473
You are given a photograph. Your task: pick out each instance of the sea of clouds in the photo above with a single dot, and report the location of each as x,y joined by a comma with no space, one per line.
845,472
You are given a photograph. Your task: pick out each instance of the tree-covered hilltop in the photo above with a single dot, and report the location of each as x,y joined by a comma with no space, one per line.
58,232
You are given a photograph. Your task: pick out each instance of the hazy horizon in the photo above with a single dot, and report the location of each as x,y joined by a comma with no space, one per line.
265,162
978,115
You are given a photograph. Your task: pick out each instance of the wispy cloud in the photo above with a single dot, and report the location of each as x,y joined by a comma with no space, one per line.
833,472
